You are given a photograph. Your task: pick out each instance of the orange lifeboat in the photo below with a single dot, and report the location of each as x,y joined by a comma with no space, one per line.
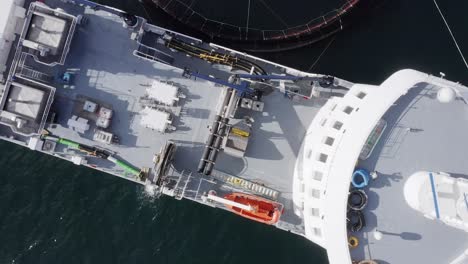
262,210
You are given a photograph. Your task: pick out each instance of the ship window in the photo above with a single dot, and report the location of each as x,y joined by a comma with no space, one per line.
322,157
329,141
315,193
315,212
361,95
309,153
333,107
337,125
348,109
317,231
318,175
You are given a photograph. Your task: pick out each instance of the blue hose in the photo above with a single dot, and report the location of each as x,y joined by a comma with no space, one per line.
360,178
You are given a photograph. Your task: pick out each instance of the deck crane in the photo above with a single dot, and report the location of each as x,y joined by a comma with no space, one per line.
274,77
324,81
242,87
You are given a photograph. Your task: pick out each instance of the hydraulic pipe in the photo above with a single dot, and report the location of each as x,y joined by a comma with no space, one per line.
276,77
219,139
208,168
215,147
202,163
206,152
85,148
128,168
213,155
68,143
243,87
201,52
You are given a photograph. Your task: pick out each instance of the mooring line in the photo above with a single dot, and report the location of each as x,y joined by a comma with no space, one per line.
321,54
451,34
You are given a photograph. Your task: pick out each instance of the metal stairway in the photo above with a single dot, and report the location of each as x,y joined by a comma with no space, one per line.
34,75
29,73
245,184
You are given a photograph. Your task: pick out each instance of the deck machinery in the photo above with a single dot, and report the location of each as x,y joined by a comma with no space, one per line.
104,89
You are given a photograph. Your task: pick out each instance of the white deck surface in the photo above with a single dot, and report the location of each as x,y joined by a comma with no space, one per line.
348,122
25,101
415,140
5,13
47,30
111,75
154,119
163,92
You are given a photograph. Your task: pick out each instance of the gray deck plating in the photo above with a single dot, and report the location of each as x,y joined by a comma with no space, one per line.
106,71
111,74
436,142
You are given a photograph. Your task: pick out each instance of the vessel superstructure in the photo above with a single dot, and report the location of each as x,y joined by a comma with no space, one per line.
107,90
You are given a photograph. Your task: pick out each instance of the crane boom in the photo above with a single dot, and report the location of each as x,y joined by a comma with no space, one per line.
242,87
275,77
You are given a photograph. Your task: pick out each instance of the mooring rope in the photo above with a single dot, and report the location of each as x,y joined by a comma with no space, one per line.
248,18
321,54
451,34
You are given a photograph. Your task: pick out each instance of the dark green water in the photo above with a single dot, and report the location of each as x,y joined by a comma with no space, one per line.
54,212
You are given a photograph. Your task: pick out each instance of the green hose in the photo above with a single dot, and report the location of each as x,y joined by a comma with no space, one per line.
128,168
68,143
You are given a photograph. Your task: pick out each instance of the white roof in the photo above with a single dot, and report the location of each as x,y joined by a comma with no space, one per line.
154,119
5,9
25,101
47,30
162,92
80,125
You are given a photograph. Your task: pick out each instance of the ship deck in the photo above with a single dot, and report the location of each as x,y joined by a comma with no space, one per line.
105,70
422,135
109,74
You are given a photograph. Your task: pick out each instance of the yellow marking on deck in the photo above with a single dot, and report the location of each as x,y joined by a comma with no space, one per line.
240,132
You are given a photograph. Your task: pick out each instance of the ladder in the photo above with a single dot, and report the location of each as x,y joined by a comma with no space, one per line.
246,185
34,75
